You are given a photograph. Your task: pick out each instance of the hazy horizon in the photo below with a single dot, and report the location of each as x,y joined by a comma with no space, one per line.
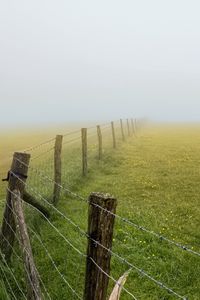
87,61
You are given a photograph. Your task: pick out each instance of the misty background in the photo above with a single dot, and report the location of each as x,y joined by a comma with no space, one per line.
93,60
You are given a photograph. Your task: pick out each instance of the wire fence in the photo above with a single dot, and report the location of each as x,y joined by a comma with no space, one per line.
59,243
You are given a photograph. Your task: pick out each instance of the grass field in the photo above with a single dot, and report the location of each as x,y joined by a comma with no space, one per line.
155,178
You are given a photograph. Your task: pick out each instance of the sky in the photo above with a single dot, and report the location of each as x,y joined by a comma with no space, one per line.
78,60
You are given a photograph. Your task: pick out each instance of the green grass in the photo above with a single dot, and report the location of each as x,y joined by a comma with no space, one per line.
155,178
4,294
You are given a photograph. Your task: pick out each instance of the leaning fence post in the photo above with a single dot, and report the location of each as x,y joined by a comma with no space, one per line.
100,235
128,127
33,286
122,130
57,168
99,135
84,151
16,180
113,135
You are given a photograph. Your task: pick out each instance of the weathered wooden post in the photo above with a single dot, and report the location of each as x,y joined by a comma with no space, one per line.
84,151
133,126
99,135
128,127
113,135
122,130
33,286
16,180
57,168
100,230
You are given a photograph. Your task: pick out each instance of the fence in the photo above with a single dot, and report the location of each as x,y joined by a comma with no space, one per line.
35,218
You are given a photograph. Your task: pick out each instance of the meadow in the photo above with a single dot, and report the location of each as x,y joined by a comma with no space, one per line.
155,179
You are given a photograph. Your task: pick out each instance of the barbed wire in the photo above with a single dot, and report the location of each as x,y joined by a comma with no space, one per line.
141,228
72,140
138,227
53,263
125,220
40,173
62,276
141,271
57,210
7,266
86,235
38,145
106,128
41,154
91,127
71,133
114,280
45,289
19,258
101,125
8,283
54,227
123,260
161,237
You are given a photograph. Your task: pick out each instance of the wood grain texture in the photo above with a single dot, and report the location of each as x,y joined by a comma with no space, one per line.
100,229
20,168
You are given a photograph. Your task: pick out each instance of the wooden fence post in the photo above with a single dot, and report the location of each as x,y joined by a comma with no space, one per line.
57,168
33,286
113,135
99,135
16,180
128,127
122,130
133,126
84,151
100,229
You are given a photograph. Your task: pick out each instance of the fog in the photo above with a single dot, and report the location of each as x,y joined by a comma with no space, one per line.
89,60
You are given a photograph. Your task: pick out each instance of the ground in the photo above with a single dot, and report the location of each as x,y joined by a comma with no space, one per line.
155,178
